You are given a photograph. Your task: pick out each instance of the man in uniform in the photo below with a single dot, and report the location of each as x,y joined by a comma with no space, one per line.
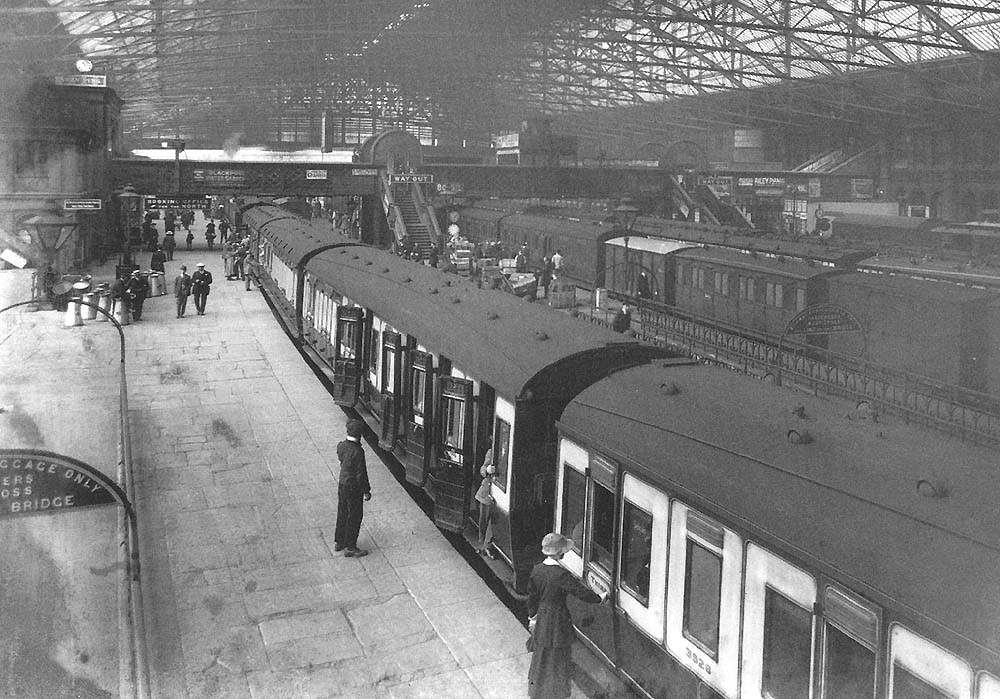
201,282
353,490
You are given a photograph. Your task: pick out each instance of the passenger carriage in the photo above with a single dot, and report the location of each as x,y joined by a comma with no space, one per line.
282,242
758,543
437,365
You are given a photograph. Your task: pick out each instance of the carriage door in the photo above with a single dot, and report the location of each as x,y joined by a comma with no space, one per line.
346,367
419,417
455,454
391,395
597,622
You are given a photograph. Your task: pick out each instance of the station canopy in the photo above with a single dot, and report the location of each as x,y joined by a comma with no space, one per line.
462,70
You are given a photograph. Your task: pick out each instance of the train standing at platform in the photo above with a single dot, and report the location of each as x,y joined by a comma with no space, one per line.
812,551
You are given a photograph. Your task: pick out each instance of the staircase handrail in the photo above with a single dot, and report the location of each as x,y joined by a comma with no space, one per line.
691,203
398,226
426,212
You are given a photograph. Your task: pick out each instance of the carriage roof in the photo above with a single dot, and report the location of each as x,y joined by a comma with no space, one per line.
892,511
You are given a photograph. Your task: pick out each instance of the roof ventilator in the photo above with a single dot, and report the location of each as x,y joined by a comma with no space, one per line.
541,336
931,489
799,437
669,388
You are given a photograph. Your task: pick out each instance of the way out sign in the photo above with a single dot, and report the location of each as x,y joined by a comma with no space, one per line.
37,482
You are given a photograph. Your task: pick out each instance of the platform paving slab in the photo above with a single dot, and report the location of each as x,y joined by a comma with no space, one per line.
234,444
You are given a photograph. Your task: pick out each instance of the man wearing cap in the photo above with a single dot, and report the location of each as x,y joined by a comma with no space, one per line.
182,288
353,490
201,283
137,289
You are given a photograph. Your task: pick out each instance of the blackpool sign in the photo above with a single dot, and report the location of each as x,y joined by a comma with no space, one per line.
33,482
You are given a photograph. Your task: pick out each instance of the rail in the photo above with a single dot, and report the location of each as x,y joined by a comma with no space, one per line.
960,412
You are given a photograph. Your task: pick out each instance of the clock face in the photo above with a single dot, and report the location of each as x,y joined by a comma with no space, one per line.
84,66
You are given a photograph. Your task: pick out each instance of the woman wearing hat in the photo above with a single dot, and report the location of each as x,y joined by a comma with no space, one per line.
552,637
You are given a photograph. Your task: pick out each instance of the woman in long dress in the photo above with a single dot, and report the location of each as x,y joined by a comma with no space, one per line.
550,583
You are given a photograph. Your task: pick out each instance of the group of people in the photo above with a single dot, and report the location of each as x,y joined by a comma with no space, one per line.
235,256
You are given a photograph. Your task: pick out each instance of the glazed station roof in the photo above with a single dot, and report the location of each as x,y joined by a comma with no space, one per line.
468,69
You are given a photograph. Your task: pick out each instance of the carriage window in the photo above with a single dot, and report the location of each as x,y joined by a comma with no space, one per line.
574,503
702,597
348,340
419,380
906,685
850,637
637,545
453,421
921,669
389,368
751,290
800,300
787,648
501,453
373,346
603,526
849,667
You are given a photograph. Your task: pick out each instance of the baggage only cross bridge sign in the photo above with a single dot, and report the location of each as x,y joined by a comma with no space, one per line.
35,482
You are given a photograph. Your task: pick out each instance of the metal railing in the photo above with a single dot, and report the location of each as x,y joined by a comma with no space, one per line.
964,413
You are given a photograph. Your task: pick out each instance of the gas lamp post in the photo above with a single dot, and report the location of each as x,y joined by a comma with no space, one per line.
129,205
626,214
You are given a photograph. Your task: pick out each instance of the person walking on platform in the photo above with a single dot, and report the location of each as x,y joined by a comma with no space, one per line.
227,259
182,289
201,284
549,620
119,296
137,289
239,256
169,245
353,490
545,276
157,260
223,230
190,240
210,235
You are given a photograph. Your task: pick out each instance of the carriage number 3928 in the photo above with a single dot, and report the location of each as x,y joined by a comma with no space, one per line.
696,659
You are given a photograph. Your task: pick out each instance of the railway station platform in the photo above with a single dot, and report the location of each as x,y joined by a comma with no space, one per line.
234,449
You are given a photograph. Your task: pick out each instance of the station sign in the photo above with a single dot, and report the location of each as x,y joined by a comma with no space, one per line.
364,172
35,482
315,174
219,177
82,80
411,178
175,202
823,319
81,205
